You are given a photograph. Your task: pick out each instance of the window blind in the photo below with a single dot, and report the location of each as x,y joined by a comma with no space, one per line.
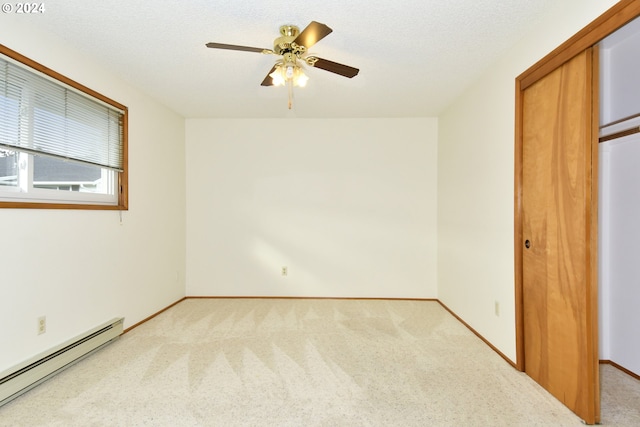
41,116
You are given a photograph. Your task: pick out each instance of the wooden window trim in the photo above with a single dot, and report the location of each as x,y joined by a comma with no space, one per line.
123,177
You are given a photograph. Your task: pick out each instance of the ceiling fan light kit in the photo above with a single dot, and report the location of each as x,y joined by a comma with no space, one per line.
292,46
289,73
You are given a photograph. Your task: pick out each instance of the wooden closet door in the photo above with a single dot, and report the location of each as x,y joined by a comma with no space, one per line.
559,282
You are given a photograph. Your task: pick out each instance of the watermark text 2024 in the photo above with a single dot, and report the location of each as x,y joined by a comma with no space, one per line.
22,8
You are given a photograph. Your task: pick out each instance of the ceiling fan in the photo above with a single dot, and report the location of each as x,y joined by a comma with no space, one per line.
292,46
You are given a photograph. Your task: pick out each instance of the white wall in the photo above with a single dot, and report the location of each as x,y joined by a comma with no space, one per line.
619,70
620,270
349,206
604,252
475,181
81,268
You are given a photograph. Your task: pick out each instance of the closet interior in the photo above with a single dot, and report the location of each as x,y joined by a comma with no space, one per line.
619,199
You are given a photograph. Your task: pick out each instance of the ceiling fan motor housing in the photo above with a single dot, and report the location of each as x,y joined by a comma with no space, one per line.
282,44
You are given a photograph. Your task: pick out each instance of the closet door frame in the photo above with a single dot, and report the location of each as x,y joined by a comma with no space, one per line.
613,19
620,14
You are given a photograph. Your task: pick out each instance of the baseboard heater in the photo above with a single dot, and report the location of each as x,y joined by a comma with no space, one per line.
26,375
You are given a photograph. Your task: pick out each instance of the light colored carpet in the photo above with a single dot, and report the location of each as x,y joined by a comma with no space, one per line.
295,362
620,397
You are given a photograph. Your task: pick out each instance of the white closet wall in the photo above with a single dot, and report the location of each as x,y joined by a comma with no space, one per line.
619,199
620,252
620,74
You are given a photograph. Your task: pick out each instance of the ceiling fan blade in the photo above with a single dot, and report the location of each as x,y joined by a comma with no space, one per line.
268,80
235,47
311,35
334,67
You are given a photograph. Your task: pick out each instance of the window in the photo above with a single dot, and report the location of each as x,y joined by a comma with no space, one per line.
62,145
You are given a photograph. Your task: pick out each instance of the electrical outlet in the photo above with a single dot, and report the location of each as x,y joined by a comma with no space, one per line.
42,325
285,271
497,308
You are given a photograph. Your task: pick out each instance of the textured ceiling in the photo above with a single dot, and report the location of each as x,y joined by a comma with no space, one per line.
415,56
